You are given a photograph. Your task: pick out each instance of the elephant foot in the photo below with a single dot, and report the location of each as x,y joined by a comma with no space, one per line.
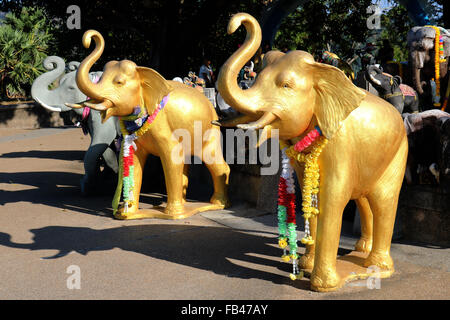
325,281
171,211
363,245
306,262
130,213
174,209
220,200
383,261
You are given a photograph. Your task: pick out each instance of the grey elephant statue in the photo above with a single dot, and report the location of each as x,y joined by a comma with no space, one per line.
102,134
422,54
390,88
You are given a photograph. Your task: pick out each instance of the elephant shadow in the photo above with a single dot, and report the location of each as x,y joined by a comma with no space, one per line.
76,155
222,250
62,189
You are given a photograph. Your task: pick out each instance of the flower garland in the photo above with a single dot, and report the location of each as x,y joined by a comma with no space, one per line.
438,58
286,194
286,216
132,127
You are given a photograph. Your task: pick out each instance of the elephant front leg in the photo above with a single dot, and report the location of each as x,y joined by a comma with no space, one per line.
91,168
132,209
332,202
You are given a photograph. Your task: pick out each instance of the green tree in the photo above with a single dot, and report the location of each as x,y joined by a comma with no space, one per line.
24,40
319,25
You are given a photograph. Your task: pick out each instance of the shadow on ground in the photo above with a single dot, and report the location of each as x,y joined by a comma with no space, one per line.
57,155
221,250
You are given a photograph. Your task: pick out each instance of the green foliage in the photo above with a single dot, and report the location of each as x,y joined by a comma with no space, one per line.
318,24
395,25
171,36
340,26
24,39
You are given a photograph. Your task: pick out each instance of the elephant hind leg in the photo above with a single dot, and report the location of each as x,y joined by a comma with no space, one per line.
383,200
364,244
212,156
220,173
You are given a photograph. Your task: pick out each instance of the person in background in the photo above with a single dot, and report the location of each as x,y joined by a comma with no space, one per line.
206,73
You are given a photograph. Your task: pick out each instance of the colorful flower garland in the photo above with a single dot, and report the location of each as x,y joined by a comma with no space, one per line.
286,216
438,58
132,127
286,194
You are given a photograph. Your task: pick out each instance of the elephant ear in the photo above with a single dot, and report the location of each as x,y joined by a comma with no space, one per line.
336,97
397,81
154,87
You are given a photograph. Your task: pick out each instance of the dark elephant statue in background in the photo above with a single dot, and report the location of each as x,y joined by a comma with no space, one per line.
421,44
102,135
390,88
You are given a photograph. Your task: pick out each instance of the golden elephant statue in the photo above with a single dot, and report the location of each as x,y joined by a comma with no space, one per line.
151,110
364,157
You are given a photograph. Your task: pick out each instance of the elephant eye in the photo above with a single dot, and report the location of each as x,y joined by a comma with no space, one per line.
119,81
287,84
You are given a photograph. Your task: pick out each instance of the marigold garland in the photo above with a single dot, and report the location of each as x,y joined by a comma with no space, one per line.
438,58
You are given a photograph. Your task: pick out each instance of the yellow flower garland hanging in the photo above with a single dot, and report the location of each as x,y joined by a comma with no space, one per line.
438,58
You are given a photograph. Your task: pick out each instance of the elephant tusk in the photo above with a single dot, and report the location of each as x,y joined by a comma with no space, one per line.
265,135
266,119
106,114
74,105
376,81
102,106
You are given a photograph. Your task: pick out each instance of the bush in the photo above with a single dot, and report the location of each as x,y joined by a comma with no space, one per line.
24,40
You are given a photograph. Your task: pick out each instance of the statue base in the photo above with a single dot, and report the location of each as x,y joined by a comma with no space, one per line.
350,267
157,212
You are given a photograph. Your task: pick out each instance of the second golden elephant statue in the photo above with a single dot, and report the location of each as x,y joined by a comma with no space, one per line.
363,158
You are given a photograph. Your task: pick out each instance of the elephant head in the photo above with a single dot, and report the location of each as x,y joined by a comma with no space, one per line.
123,85
384,83
67,90
291,92
421,44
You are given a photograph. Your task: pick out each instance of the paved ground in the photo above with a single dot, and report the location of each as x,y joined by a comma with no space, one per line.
47,226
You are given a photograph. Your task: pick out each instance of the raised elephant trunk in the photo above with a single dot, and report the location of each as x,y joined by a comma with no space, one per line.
40,91
417,82
370,77
83,81
243,101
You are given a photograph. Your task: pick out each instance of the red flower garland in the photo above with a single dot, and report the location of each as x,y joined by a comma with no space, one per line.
308,140
287,200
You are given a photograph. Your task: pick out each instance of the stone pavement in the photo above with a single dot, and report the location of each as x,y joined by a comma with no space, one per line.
47,226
